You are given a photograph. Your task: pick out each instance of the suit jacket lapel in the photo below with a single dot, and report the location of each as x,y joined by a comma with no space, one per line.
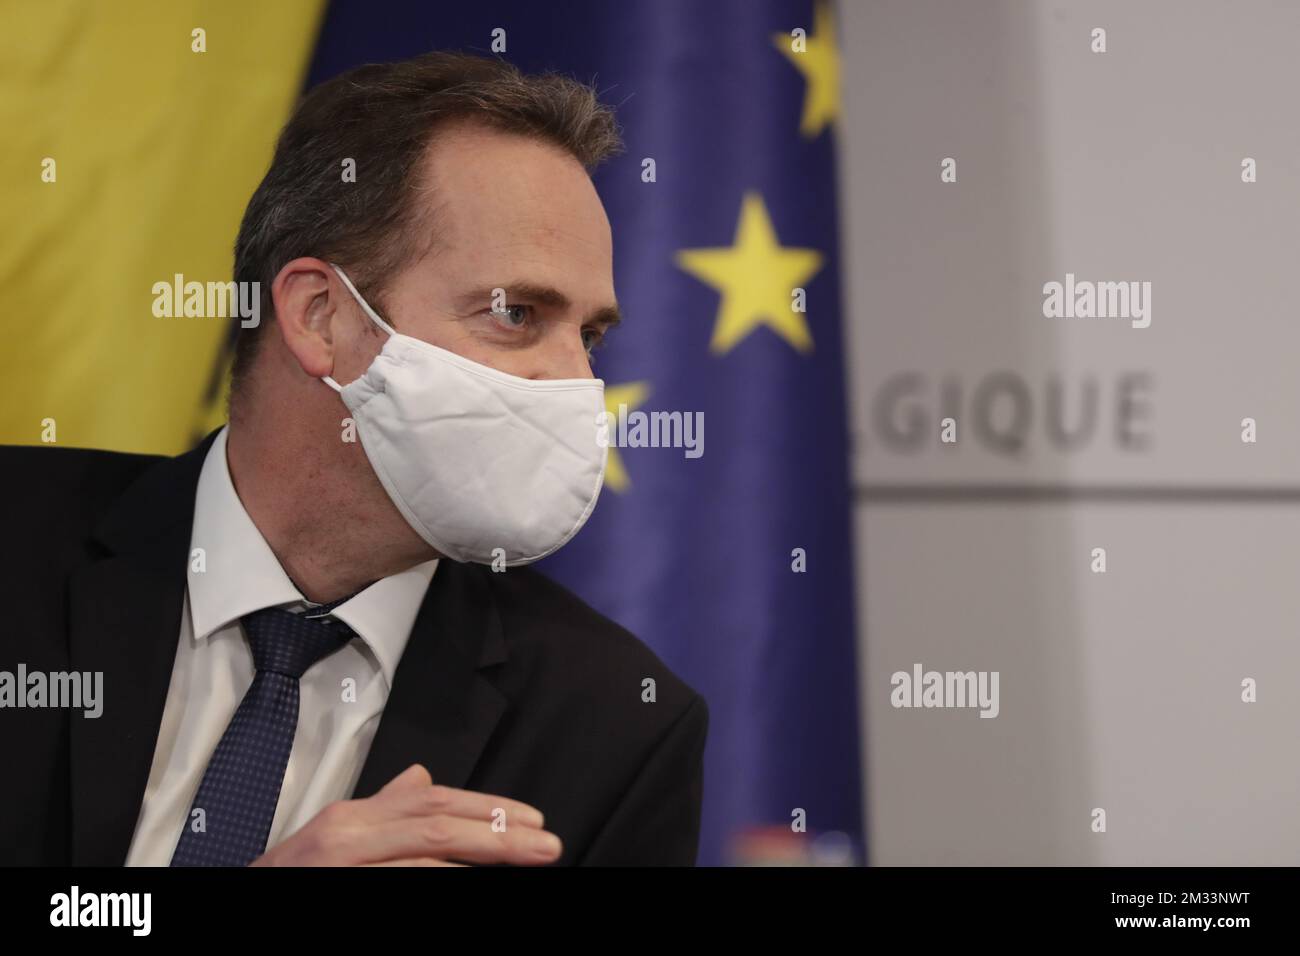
124,619
441,711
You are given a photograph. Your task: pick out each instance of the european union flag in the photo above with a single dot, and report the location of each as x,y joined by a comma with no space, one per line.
731,556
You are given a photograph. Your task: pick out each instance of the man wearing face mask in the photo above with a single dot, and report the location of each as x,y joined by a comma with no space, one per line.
319,638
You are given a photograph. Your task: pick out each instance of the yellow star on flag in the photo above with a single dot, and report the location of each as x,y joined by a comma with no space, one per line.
757,277
632,394
819,62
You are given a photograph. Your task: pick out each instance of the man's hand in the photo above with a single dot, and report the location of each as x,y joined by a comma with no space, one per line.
412,822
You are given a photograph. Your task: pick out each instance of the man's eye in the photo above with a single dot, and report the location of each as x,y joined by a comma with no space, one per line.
591,339
513,316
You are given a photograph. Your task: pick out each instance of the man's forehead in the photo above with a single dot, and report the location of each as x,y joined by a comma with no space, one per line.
474,166
514,201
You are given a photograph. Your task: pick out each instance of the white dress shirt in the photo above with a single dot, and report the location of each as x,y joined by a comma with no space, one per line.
214,668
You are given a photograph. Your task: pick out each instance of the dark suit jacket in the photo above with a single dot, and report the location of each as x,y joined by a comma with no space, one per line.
509,684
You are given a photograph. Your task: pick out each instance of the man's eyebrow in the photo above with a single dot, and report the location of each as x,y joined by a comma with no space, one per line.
609,316
543,295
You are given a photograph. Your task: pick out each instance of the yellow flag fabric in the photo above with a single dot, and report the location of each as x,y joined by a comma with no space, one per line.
135,133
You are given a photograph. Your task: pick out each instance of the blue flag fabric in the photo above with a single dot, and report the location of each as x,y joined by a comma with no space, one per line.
734,566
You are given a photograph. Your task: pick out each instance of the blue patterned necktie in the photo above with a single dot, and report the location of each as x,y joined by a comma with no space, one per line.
241,787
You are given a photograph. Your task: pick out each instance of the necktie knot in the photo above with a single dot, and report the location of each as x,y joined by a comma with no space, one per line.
287,643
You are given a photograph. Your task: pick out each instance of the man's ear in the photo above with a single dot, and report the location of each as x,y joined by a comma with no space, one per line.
305,313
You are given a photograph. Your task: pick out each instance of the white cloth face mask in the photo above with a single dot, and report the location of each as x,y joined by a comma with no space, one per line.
480,463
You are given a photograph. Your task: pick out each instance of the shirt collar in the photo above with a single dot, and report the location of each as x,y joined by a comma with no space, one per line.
241,573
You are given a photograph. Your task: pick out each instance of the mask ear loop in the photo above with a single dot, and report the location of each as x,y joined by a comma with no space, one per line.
374,317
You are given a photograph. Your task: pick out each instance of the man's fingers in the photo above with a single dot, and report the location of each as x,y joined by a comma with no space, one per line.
413,822
457,838
406,796
470,804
